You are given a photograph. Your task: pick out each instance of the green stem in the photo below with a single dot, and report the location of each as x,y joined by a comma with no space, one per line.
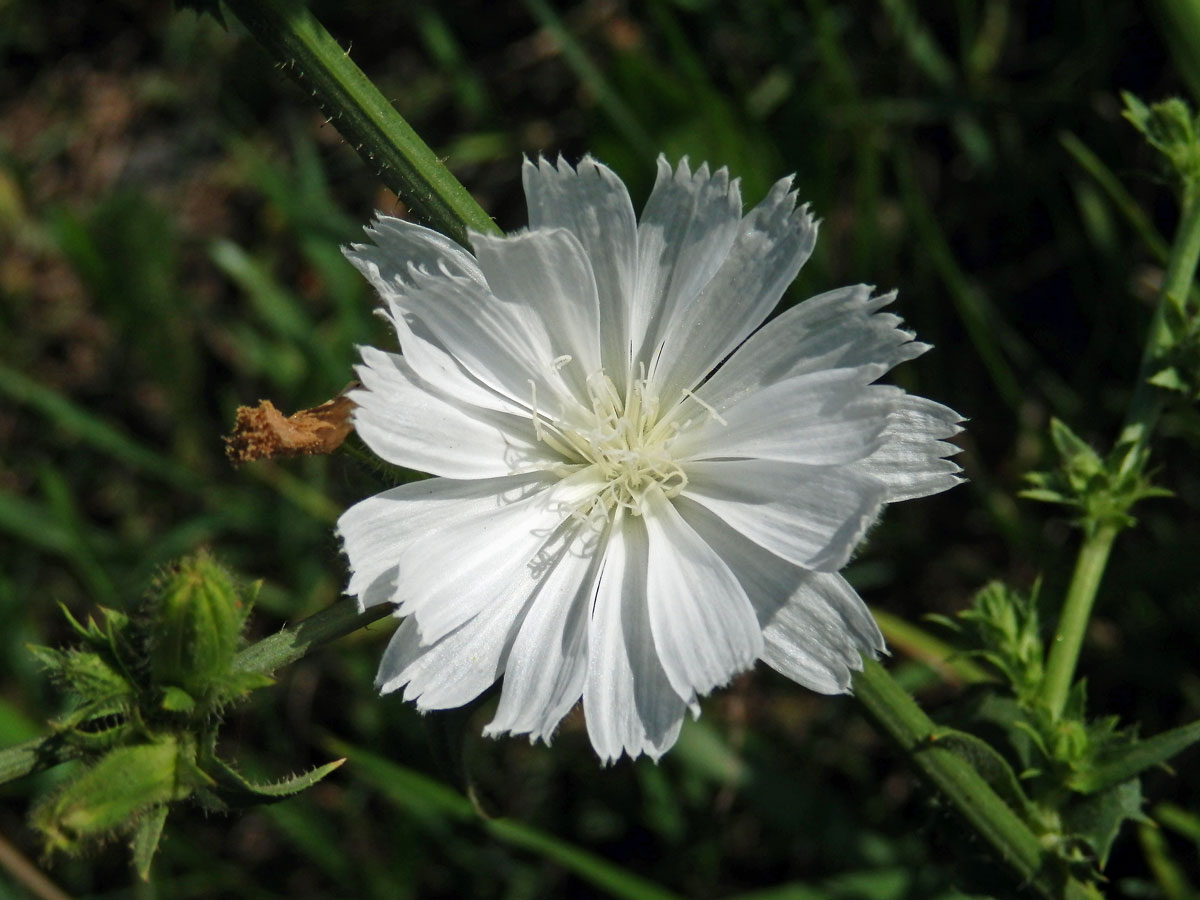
1077,609
1147,400
266,656
297,641
1144,409
306,51
1011,838
33,756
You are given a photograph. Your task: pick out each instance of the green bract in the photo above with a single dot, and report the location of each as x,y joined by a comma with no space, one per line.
1102,489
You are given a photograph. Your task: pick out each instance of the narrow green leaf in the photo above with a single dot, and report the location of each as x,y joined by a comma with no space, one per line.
236,790
1135,758
1179,820
91,430
1168,873
613,104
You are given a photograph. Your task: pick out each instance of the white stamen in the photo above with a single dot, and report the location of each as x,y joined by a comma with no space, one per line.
622,440
708,406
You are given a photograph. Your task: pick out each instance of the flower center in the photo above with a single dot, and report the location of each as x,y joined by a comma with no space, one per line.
622,440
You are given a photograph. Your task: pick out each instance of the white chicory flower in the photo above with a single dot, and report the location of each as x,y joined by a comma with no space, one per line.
638,494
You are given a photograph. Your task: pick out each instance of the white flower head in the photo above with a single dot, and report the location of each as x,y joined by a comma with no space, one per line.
638,494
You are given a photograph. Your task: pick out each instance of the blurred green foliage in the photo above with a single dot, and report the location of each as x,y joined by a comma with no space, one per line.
170,215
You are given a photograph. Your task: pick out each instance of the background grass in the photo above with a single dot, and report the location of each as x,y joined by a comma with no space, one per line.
170,215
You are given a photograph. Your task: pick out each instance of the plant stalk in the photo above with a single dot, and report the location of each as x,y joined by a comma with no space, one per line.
1013,841
1145,406
307,52
1076,611
1147,401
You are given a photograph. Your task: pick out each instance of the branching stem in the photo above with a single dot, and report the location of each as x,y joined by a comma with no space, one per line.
1145,406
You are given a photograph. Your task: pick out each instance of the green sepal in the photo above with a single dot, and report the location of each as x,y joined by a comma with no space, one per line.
146,692
238,684
234,789
92,634
1103,490
96,728
1003,630
84,673
145,839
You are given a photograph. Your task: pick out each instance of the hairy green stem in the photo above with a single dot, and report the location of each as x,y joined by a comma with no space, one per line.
1013,841
266,656
1076,611
33,756
297,641
303,48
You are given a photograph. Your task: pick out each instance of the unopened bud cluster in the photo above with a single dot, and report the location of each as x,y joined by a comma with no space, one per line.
145,692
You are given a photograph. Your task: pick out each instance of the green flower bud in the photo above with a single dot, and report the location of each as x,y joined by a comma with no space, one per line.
195,620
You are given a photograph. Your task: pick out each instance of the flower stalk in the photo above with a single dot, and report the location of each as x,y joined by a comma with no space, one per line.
366,119
407,165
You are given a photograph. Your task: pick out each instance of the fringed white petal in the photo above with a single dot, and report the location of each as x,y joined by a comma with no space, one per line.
911,458
628,701
773,241
592,203
817,419
410,422
840,329
684,236
812,516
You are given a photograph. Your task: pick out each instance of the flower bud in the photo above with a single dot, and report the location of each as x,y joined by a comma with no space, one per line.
195,625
